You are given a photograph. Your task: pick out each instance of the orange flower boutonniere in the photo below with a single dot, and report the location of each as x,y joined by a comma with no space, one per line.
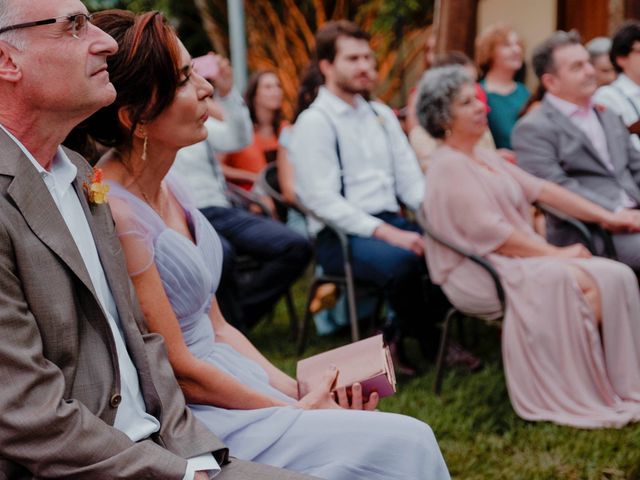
96,189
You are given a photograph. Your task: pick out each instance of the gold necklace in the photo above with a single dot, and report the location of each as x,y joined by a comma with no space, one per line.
148,201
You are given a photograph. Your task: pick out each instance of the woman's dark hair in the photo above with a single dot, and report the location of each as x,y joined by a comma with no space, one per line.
250,99
145,73
623,40
310,83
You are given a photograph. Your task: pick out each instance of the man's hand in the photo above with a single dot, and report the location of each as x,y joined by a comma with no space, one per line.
635,127
411,241
507,155
201,476
623,221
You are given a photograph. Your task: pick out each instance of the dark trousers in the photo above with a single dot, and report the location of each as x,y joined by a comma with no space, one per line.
399,273
262,258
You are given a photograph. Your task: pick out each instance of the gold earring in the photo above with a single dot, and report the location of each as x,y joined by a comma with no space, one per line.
144,148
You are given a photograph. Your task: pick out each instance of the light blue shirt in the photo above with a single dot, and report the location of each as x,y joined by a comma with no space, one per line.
131,416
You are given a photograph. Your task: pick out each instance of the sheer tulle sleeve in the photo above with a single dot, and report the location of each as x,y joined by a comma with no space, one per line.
135,234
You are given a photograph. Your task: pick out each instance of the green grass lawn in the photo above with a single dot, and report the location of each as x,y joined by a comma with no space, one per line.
479,434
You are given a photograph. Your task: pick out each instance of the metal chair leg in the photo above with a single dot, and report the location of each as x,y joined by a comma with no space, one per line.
304,326
351,302
293,316
444,340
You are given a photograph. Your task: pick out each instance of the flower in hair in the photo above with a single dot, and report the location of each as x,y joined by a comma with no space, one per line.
96,188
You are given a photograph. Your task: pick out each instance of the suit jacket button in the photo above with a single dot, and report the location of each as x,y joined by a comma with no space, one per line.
115,400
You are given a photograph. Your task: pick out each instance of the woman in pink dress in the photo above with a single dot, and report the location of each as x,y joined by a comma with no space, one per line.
571,335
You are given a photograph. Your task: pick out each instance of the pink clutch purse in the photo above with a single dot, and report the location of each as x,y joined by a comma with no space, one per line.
366,361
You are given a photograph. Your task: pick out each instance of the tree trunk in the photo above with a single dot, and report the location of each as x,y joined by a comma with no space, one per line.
216,37
455,25
633,9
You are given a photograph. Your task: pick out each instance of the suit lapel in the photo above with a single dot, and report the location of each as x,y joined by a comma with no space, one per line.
96,215
613,144
118,281
567,125
34,201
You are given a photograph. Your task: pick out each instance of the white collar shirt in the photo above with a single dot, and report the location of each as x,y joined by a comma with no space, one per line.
377,160
131,416
623,97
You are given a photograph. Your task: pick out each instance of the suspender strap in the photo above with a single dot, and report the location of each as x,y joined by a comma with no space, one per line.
335,132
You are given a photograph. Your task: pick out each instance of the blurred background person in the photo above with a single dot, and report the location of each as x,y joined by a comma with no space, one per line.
571,335
424,144
263,97
500,58
599,49
623,95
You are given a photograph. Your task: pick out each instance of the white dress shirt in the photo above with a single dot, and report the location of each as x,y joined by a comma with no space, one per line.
378,163
623,97
197,164
131,416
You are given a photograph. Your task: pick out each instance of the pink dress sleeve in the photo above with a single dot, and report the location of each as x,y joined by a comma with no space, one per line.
460,207
530,184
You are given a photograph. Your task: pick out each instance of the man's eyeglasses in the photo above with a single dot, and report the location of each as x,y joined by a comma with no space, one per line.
78,22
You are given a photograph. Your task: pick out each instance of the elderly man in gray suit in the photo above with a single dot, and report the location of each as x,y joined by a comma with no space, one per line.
585,148
86,391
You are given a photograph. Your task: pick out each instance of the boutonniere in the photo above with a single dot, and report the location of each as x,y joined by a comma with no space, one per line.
96,189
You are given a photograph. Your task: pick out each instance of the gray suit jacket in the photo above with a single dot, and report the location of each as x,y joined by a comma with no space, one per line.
58,362
550,146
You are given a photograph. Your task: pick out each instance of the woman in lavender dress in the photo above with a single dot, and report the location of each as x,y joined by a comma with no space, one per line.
174,259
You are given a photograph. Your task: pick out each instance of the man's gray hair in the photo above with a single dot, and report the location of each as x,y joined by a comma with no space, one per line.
542,58
436,93
8,17
598,46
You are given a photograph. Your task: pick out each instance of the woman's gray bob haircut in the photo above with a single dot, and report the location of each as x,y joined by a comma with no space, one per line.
436,92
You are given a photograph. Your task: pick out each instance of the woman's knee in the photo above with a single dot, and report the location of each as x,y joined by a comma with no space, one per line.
589,288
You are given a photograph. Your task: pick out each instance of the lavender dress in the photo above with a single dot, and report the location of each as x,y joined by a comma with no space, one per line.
332,444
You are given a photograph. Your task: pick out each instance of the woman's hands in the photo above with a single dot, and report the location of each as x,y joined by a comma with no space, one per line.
321,397
623,221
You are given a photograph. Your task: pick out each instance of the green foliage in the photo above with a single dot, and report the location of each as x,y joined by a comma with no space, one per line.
392,15
133,5
479,434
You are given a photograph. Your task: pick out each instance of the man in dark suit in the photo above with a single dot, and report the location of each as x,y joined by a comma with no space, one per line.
570,141
87,391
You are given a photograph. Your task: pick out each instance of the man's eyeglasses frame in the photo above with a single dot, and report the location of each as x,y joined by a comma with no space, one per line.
77,28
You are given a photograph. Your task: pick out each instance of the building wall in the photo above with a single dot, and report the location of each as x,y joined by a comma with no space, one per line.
533,20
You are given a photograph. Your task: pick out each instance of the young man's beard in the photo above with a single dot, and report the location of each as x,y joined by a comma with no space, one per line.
346,86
